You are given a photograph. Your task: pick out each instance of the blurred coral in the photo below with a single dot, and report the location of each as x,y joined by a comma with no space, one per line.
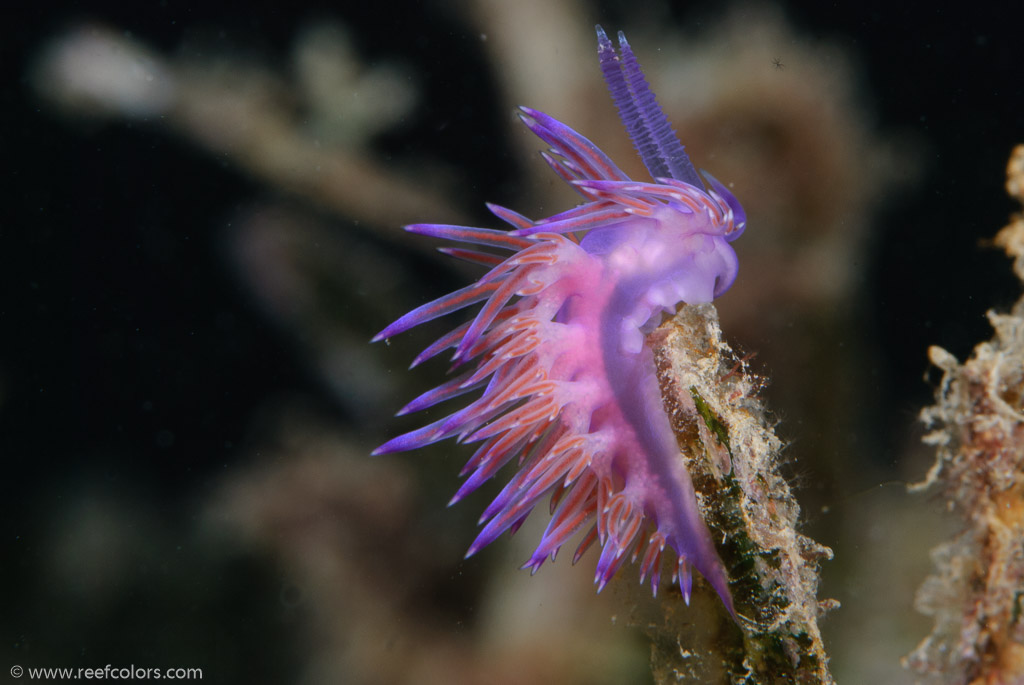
347,102
312,281
375,590
245,113
90,70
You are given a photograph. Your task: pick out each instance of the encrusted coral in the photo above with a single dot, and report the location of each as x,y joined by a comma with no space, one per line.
977,596
732,454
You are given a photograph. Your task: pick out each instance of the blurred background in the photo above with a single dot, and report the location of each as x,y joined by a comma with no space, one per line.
201,233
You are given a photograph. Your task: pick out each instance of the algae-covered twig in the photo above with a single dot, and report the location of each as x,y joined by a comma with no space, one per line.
733,455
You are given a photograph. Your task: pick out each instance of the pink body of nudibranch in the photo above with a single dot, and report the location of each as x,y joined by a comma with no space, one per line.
566,383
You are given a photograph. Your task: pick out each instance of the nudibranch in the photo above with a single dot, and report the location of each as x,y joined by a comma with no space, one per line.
557,355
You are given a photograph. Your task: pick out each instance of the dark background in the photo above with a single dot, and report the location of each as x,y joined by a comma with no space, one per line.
131,357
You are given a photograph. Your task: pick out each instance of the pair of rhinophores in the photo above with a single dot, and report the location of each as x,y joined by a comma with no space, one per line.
564,382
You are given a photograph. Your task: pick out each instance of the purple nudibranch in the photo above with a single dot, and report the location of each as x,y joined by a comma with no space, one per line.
565,381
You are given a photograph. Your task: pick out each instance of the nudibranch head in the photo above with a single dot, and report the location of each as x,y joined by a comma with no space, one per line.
564,384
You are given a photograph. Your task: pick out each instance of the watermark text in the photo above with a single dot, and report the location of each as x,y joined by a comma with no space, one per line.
108,672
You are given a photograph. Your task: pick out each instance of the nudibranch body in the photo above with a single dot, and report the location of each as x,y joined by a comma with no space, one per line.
557,354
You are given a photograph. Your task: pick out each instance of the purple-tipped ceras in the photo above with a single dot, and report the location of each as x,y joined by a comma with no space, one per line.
565,383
